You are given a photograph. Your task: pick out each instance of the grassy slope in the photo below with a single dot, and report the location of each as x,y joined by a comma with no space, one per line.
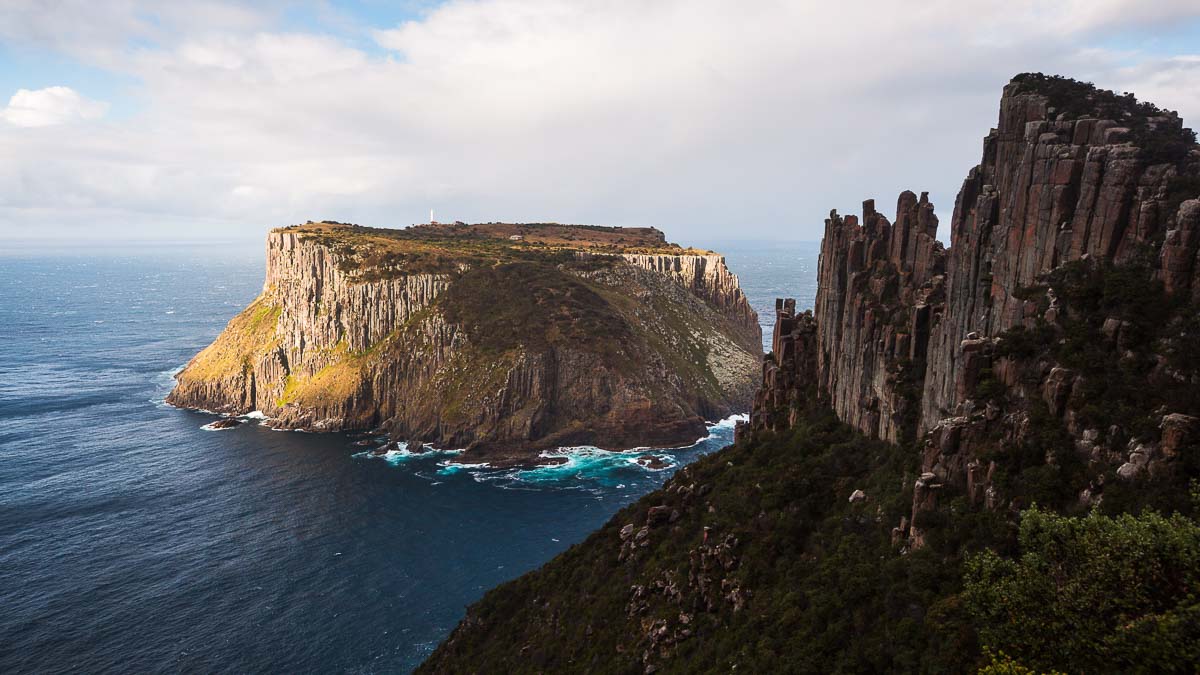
247,337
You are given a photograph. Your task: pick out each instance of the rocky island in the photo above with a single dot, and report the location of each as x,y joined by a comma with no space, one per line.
981,458
501,339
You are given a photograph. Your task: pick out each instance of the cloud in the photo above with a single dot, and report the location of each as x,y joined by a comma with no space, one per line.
709,119
101,32
50,106
1171,82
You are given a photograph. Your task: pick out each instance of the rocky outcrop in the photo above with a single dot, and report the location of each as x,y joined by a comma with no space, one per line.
504,358
962,350
879,293
789,372
707,276
1051,189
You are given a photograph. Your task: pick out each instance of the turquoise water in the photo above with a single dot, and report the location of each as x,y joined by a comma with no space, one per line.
132,539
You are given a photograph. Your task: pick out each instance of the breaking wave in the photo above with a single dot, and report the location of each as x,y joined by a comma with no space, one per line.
578,467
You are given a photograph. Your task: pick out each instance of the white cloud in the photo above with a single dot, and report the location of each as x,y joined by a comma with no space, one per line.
1172,83
706,118
50,106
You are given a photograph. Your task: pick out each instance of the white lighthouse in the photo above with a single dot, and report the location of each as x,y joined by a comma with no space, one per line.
431,220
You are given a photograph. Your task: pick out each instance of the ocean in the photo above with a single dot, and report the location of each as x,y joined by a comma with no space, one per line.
134,540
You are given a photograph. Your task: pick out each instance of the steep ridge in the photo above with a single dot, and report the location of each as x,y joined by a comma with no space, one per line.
456,338
980,349
909,492
1069,173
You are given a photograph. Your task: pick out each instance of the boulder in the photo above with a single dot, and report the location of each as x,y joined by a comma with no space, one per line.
658,515
1177,430
1129,470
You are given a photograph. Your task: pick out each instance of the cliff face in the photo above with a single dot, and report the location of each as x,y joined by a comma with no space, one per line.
505,351
1065,294
1050,356
878,288
1050,190
707,277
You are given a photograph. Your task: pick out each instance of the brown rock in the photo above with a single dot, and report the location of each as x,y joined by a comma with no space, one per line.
1178,430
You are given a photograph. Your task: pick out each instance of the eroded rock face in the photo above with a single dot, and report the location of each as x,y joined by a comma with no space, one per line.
879,292
1050,191
879,295
789,372
619,353
906,339
709,278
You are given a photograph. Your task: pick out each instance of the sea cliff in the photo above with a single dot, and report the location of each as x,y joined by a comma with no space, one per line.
1067,287
977,459
468,337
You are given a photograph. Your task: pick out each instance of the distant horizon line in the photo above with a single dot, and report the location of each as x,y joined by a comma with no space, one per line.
75,243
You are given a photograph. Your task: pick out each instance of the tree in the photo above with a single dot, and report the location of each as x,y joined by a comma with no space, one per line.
1093,594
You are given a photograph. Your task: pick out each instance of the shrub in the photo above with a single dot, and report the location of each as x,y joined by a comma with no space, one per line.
1093,593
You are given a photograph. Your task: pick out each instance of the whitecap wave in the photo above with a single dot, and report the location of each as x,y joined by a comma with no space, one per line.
449,468
729,422
400,453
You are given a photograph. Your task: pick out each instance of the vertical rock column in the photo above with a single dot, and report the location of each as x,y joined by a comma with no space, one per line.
879,292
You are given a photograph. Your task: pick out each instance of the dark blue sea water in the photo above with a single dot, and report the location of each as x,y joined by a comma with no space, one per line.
131,540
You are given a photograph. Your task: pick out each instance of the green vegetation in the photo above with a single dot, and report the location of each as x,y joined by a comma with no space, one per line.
1093,594
371,254
1160,142
248,336
1117,328
819,569
1116,388
825,589
534,305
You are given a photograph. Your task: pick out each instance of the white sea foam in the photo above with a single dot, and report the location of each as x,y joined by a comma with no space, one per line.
448,467
401,453
583,467
729,422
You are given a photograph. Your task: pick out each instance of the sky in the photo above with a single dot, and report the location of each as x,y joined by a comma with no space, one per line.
214,120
